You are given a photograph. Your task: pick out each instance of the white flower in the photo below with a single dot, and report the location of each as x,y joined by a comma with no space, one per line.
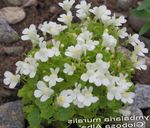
31,34
27,67
84,98
114,92
101,65
74,52
65,98
101,13
118,21
127,97
97,72
122,33
11,79
52,28
43,54
109,41
139,63
122,82
83,10
67,4
55,48
66,18
140,49
69,69
84,40
134,39
85,35
53,78
43,92
99,78
90,71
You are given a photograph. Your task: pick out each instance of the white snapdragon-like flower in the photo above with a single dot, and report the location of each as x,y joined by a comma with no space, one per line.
55,48
122,82
67,4
122,32
11,79
66,18
74,52
83,10
84,98
27,67
118,21
90,71
140,49
31,34
43,92
44,53
69,69
97,72
53,78
134,39
65,98
52,28
84,40
109,41
101,13
99,78
114,92
127,97
139,62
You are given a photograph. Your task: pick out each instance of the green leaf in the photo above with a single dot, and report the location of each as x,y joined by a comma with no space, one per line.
33,116
144,5
64,114
47,110
145,28
141,13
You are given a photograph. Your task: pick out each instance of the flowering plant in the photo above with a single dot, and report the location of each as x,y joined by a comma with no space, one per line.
75,70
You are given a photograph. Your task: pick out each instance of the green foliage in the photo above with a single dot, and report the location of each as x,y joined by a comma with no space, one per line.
143,11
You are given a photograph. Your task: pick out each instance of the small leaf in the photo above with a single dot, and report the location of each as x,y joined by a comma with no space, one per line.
33,116
144,5
145,28
64,114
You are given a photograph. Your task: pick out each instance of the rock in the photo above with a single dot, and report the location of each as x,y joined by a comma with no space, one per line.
14,2
11,50
27,3
142,76
11,115
124,4
53,9
24,3
12,15
137,23
7,34
137,113
147,113
142,98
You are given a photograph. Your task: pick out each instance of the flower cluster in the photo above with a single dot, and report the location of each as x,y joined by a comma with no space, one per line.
80,66
81,98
